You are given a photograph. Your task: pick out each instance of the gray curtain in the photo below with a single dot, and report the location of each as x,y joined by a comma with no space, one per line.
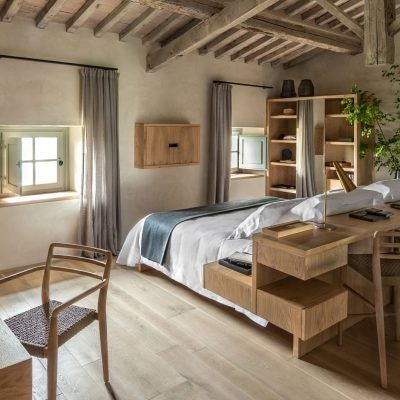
220,143
100,211
305,171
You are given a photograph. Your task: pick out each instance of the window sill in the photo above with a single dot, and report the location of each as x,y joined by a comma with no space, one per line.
37,198
239,175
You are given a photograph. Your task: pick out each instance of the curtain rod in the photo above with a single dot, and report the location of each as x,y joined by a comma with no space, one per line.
56,62
245,84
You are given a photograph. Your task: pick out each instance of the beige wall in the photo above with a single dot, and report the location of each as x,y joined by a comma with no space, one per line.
336,74
34,94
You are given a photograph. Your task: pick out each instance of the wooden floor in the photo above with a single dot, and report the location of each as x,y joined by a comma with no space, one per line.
168,343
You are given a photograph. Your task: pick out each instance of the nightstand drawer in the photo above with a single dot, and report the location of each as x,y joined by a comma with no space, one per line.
303,308
229,284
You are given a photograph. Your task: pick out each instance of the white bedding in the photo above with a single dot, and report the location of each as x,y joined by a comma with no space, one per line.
199,241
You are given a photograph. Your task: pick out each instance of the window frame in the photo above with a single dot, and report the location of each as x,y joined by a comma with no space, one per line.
62,155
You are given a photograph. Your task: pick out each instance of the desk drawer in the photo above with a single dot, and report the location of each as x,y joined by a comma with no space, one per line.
229,284
303,308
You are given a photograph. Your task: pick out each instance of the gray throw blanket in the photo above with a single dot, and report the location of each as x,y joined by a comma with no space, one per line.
158,227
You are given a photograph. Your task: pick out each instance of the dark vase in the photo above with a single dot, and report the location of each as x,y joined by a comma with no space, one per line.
306,88
397,175
288,89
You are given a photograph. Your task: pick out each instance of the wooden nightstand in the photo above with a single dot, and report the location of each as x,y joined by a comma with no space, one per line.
15,367
285,286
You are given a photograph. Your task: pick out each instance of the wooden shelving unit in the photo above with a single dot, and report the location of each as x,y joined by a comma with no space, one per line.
278,126
335,129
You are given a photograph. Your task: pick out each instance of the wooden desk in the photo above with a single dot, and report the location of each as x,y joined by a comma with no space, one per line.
309,257
15,367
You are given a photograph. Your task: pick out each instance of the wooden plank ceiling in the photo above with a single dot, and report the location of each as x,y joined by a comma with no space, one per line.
279,32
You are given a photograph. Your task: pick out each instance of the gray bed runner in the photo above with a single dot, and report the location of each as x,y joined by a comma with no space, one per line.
158,227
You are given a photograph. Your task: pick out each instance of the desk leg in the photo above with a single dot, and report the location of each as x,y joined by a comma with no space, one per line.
342,281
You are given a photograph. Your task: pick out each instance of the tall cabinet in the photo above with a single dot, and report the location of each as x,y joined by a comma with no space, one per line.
335,140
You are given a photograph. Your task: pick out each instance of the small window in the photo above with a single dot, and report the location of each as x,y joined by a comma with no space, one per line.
33,161
235,152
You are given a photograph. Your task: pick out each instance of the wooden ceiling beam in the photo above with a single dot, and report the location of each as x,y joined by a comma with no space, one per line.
137,24
76,21
279,53
10,10
157,32
378,42
232,15
292,55
215,42
303,58
189,8
252,46
235,43
111,19
48,12
344,18
298,31
273,45
299,7
347,7
183,29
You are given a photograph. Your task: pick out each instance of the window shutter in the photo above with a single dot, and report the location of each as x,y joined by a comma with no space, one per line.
252,152
12,165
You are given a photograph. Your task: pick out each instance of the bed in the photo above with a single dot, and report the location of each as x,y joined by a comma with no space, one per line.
198,241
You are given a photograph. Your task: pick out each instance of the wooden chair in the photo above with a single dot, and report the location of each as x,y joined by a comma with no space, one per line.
43,329
383,269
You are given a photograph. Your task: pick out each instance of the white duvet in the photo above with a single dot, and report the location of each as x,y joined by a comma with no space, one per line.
199,241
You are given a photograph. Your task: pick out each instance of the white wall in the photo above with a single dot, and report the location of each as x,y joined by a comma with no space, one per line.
35,94
337,73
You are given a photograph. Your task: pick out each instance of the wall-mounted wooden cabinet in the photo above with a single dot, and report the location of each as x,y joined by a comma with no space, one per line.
166,145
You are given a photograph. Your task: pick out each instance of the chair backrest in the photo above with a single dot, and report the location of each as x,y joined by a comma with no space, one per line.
85,251
387,247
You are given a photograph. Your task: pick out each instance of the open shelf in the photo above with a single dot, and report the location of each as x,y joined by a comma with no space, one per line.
283,141
284,116
338,143
348,169
283,164
283,190
336,115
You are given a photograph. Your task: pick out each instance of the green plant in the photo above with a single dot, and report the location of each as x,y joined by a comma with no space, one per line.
373,122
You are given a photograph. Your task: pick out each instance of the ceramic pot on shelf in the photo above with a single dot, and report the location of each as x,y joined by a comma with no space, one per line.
306,88
288,89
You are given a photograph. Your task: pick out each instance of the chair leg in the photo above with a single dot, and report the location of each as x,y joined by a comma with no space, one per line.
397,311
104,345
52,374
380,323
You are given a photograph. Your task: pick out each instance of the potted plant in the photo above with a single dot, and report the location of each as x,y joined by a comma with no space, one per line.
376,123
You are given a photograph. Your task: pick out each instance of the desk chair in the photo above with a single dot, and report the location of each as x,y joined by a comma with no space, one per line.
383,269
43,329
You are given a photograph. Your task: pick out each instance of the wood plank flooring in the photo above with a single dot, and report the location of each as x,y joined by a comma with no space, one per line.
167,343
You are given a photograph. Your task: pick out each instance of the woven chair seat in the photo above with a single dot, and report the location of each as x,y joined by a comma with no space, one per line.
32,327
362,263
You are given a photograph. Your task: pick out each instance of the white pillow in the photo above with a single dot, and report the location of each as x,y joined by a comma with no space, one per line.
338,202
389,189
266,215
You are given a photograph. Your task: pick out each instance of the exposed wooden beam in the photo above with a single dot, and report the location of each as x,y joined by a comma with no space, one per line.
160,29
189,8
279,53
250,47
298,7
303,58
232,15
348,7
342,17
137,24
191,24
76,21
292,55
298,31
378,43
48,12
111,19
235,43
10,9
273,44
216,41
